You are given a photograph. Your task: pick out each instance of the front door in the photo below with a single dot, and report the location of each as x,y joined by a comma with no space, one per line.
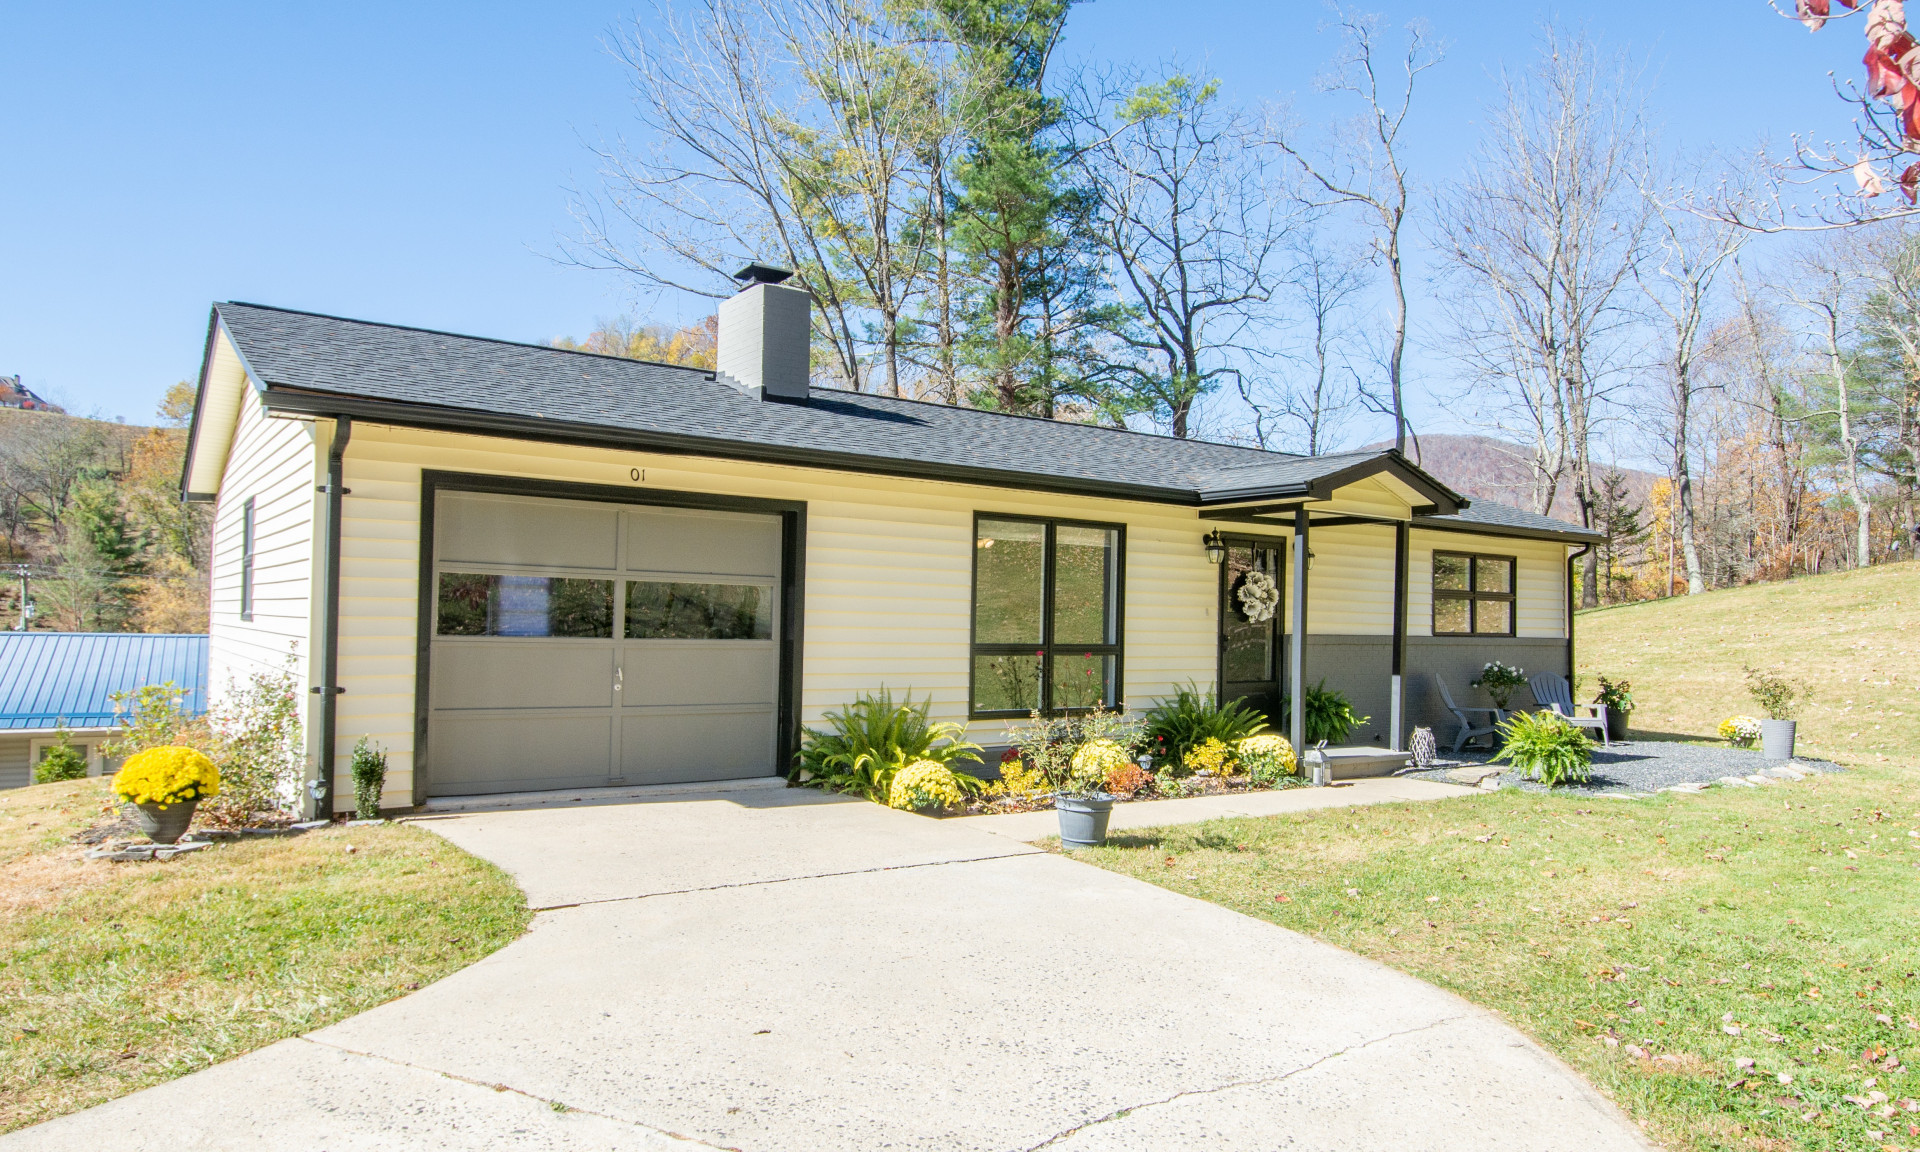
1251,608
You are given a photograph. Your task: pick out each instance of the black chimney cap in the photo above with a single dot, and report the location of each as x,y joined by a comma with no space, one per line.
757,273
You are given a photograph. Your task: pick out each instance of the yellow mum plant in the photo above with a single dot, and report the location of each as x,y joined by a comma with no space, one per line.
1267,757
1098,759
924,784
166,776
1211,755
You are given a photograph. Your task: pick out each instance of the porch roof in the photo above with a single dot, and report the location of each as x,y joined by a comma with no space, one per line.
306,363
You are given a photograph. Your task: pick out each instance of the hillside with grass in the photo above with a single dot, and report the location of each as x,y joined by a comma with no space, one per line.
1854,637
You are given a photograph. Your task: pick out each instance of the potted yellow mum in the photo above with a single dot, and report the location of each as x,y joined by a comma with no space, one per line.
162,787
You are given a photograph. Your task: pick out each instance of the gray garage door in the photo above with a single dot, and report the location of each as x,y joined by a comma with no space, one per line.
580,644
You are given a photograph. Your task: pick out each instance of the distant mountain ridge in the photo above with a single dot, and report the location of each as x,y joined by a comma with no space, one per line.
1488,468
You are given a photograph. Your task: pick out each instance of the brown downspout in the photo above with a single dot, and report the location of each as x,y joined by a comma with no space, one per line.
1571,560
327,682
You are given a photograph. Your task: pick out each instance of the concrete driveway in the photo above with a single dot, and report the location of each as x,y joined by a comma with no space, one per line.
784,970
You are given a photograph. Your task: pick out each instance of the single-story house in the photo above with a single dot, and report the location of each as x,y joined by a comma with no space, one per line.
64,682
519,567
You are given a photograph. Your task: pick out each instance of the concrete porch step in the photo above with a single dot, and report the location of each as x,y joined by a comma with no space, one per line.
1353,763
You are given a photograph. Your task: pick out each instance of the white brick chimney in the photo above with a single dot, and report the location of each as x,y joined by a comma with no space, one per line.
765,329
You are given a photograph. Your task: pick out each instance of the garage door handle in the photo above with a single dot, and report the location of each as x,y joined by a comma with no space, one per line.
619,678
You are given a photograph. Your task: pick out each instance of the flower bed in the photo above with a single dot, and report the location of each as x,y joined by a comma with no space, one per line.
1199,784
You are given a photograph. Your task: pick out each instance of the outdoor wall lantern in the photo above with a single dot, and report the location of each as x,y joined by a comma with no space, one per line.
1216,547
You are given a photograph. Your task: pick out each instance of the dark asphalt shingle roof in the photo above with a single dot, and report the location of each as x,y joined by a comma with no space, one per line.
313,360
55,679
1485,514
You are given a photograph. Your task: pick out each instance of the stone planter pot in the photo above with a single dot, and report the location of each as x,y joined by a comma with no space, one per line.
163,825
1776,739
1617,724
1083,819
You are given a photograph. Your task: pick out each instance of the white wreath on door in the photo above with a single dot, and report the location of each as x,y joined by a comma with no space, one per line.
1259,597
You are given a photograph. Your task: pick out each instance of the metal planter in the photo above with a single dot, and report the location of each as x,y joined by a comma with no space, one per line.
1083,820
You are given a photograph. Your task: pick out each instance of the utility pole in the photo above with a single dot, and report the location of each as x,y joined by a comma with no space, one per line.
26,597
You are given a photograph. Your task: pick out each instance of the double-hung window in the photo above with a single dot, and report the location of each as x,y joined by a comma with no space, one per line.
1472,594
246,560
1046,615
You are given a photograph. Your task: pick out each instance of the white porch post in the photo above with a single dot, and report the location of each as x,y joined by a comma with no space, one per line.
1297,651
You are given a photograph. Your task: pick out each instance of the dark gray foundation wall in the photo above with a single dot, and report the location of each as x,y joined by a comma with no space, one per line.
1362,668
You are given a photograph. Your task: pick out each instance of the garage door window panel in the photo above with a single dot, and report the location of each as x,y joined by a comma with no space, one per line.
502,604
674,610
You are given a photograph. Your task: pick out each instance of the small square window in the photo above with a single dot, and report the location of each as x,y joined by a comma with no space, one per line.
1473,595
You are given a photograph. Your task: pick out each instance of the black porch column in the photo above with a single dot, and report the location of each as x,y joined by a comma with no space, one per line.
1297,651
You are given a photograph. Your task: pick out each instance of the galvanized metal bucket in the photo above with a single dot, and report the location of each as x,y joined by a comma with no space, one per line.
1083,819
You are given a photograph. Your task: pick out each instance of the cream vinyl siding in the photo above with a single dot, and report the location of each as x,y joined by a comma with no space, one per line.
888,578
272,462
1540,580
16,764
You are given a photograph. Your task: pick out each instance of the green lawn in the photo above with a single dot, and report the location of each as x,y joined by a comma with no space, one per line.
1659,945
117,976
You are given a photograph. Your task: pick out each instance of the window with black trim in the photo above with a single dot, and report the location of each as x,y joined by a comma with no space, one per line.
246,560
1472,594
1046,615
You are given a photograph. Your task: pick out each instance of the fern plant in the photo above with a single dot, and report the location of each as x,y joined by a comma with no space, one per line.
865,744
1191,717
1546,747
1329,714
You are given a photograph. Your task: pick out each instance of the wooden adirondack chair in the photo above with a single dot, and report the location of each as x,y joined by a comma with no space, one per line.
1551,692
1464,717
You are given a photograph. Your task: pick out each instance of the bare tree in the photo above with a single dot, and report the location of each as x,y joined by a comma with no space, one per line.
1827,291
1315,399
1363,168
1540,238
794,131
1688,255
1193,214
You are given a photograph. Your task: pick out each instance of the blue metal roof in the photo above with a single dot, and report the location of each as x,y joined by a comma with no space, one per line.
56,679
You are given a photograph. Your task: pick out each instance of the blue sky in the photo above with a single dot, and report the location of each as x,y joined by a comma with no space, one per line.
411,163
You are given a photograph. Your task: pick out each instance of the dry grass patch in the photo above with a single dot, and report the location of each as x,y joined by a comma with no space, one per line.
138,973
1854,635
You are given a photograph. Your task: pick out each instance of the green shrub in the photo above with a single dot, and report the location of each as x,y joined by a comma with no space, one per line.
61,762
1777,696
1191,717
1329,715
1545,747
252,733
369,767
870,740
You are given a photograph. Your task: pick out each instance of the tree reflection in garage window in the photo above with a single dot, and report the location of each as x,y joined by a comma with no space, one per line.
489,604
665,610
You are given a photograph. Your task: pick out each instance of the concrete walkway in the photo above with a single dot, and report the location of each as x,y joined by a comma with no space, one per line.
1035,826
790,971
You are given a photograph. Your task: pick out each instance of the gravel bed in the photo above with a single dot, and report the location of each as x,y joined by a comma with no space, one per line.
1638,767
